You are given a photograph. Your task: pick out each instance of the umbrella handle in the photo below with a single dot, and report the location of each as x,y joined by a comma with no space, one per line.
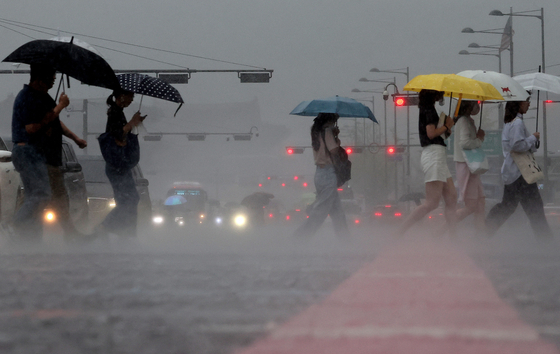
538,144
59,84
140,106
458,106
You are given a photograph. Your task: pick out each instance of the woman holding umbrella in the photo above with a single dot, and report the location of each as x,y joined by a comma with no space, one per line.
467,137
516,138
122,219
434,162
325,142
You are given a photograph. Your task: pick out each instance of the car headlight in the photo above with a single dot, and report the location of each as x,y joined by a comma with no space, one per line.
157,219
240,220
112,203
49,216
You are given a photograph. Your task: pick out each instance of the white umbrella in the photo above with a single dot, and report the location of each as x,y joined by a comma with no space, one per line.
510,89
540,82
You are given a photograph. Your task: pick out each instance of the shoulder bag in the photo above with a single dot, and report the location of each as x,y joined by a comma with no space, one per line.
528,166
120,157
342,166
476,160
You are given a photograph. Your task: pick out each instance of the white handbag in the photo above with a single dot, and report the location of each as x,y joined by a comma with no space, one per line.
528,166
476,160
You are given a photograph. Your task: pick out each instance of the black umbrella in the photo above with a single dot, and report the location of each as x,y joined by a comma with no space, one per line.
149,86
69,59
257,200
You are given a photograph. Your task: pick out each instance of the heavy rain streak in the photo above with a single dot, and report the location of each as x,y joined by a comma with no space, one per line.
280,177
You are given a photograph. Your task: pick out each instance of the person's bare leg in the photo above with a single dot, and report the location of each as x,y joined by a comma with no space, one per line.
433,195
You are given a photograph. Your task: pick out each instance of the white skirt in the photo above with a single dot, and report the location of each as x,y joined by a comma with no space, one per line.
434,163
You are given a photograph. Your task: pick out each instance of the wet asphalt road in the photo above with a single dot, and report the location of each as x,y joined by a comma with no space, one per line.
212,292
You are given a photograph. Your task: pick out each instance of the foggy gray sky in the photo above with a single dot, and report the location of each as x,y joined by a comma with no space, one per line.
317,48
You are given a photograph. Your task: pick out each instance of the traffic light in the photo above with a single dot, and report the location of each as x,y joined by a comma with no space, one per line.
393,150
354,150
401,100
294,150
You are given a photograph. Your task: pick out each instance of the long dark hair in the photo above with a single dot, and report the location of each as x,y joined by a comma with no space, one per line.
111,100
427,98
512,108
466,108
317,127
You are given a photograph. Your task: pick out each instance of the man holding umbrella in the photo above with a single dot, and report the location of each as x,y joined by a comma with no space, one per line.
37,154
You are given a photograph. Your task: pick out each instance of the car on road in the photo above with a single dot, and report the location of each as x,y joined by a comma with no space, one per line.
186,203
100,198
12,192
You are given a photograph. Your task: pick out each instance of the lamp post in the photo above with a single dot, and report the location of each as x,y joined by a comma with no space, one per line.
495,47
386,97
372,108
465,52
543,67
499,31
403,71
525,14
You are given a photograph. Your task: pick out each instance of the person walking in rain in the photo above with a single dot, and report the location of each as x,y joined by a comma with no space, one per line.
35,116
516,138
470,186
325,142
123,218
37,135
434,163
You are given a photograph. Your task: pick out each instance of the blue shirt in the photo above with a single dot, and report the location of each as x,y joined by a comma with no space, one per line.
515,137
31,107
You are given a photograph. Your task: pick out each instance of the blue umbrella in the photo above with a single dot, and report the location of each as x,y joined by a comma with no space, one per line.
343,106
175,200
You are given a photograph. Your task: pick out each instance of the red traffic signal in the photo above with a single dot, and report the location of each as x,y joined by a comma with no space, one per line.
391,150
294,150
349,150
402,100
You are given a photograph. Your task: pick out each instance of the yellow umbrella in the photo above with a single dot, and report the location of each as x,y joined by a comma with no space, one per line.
454,86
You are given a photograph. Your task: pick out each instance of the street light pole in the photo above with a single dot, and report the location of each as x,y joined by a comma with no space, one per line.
407,73
495,47
386,97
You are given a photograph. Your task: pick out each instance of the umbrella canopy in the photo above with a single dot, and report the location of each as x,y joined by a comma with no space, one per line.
257,200
509,88
540,82
77,42
67,58
175,200
454,85
343,106
149,86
